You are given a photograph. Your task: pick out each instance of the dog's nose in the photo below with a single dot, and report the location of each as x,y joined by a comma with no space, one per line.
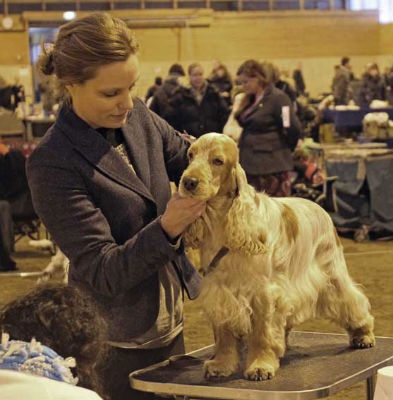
190,183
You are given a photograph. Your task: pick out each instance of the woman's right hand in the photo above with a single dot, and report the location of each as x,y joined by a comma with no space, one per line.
180,212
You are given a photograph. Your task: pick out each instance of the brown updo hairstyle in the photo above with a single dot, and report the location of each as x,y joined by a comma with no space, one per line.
265,74
255,69
65,319
83,45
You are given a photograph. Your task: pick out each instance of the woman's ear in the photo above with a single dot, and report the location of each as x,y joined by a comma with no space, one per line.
243,229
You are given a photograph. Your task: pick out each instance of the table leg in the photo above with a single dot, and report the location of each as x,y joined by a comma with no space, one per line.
370,386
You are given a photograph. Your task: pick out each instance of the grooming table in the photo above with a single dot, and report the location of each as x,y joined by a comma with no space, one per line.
18,274
316,365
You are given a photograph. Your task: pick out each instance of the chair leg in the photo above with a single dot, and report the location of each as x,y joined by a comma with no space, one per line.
370,386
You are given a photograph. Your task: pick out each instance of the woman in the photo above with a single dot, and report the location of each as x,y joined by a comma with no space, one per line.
100,180
270,130
57,333
373,86
200,108
221,80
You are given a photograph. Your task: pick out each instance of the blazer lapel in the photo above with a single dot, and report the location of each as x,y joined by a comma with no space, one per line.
136,143
92,146
266,94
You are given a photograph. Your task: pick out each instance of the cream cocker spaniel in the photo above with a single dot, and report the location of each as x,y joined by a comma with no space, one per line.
271,264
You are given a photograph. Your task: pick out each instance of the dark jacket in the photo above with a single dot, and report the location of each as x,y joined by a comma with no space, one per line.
287,89
13,179
340,86
222,85
106,219
196,119
371,89
161,103
299,81
265,145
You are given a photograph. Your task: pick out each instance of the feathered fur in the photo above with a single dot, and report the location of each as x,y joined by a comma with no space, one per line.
285,264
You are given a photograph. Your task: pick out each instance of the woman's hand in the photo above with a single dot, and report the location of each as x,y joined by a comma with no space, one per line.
180,212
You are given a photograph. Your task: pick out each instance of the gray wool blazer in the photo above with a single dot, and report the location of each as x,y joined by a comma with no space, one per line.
106,219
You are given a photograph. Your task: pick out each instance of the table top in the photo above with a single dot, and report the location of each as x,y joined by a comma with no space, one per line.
315,365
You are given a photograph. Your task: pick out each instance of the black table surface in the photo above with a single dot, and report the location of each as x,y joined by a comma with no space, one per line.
315,365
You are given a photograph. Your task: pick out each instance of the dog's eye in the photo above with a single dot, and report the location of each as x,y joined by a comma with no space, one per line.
217,161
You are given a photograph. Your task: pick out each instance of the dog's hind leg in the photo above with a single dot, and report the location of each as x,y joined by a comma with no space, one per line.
344,303
226,356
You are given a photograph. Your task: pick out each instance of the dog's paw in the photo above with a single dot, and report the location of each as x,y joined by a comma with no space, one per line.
216,369
259,372
363,341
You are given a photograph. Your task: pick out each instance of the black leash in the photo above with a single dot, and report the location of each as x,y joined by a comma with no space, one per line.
216,259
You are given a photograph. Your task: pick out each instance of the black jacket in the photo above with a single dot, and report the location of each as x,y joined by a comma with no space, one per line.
265,145
106,219
13,181
196,119
371,89
162,105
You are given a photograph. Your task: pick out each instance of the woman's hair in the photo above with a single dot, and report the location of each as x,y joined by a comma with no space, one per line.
64,319
85,44
254,69
266,74
223,67
192,66
371,66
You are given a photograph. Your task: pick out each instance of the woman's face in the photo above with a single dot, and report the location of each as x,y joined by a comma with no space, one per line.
104,101
250,84
196,77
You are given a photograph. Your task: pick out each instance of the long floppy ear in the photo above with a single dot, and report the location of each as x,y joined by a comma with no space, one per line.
243,229
194,234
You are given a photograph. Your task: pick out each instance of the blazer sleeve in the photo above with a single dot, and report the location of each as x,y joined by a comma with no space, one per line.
63,202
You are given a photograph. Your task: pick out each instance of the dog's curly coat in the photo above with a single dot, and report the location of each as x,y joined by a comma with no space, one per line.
285,264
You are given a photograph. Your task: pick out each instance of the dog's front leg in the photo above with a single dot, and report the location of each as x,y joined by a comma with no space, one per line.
226,357
266,343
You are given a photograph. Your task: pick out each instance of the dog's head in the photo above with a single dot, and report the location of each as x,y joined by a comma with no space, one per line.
212,161
214,170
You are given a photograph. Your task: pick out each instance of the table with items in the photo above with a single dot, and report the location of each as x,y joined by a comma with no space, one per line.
351,120
315,365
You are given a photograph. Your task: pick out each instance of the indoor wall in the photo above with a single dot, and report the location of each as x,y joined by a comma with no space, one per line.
315,39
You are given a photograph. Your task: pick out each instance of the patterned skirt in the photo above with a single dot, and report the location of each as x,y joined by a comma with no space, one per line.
275,185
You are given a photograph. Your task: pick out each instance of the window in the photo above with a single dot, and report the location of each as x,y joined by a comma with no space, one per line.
385,8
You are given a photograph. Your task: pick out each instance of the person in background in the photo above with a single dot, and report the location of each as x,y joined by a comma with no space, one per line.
373,86
221,80
200,108
161,103
281,83
100,180
152,89
53,341
389,84
15,200
300,85
270,130
340,85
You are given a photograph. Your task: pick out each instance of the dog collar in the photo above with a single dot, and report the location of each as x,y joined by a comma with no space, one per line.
216,259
